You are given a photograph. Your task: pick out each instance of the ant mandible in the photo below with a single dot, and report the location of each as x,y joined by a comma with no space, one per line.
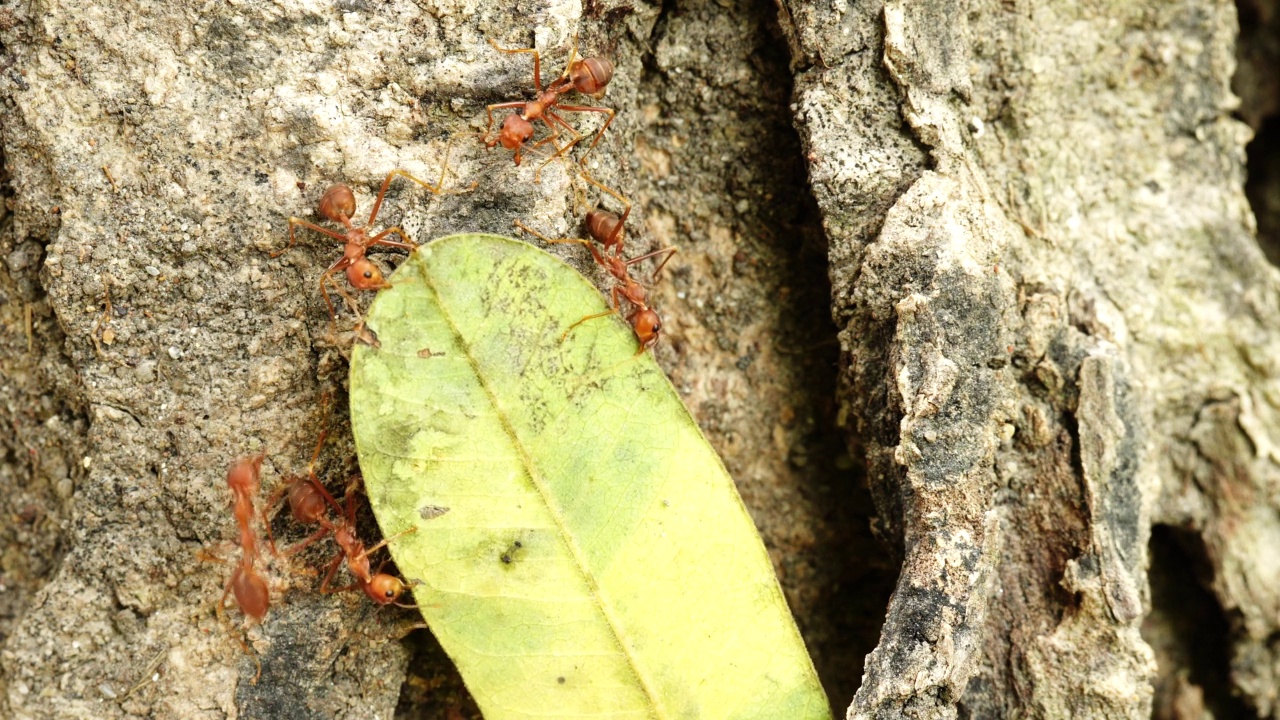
588,76
338,205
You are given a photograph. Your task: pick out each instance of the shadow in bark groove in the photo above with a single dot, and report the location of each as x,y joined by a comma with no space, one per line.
1187,631
754,349
1258,86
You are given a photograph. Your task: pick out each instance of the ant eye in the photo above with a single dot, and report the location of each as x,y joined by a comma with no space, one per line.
368,274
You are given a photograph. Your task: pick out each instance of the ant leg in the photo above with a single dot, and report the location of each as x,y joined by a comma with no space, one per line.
670,253
294,222
386,185
437,189
347,298
537,174
599,133
658,270
546,239
606,313
348,498
537,61
547,117
444,171
340,264
613,297
221,608
573,55
406,245
386,540
272,502
303,544
328,498
328,577
595,254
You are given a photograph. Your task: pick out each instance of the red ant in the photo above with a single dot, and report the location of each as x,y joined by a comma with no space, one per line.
246,584
306,496
588,76
338,205
249,587
644,320
606,228
310,503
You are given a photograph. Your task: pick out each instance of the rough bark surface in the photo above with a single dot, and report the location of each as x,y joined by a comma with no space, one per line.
156,152
1054,329
1058,329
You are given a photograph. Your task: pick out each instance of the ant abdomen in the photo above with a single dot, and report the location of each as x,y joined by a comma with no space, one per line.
603,226
590,75
251,593
308,506
338,204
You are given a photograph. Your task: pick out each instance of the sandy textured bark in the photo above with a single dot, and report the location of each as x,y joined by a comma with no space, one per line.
155,152
1058,329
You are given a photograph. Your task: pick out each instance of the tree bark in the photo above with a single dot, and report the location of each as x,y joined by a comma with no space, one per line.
1053,331
1058,330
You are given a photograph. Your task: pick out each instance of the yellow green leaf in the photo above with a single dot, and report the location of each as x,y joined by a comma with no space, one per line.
580,548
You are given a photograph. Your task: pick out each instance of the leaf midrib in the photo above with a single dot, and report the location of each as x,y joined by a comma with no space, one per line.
526,460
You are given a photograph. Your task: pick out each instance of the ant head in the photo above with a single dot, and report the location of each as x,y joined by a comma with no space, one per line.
590,75
338,204
516,131
602,225
647,325
385,589
251,593
243,476
364,275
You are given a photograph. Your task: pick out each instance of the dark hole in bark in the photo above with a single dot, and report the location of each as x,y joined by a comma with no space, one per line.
1258,85
1188,631
432,688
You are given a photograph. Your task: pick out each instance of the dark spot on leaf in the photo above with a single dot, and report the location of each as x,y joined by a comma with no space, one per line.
429,512
560,679
509,555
